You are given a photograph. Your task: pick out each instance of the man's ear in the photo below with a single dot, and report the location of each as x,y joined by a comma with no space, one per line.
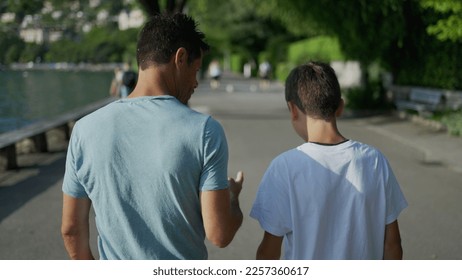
181,56
340,108
293,110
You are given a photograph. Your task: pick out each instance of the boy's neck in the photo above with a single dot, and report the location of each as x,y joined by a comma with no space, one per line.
323,132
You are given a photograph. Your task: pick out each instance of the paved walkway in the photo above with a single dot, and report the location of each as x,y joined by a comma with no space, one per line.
435,146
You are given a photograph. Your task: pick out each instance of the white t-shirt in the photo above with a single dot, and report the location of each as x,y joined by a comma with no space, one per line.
329,202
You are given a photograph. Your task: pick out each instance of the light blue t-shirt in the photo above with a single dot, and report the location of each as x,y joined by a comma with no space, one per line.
142,162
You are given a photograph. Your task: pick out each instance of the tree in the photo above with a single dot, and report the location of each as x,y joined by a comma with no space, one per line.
10,47
449,25
398,34
235,26
21,8
365,29
171,6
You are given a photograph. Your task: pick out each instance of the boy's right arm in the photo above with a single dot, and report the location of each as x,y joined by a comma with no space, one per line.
270,247
392,249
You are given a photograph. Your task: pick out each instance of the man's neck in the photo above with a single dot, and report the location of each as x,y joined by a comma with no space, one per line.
153,82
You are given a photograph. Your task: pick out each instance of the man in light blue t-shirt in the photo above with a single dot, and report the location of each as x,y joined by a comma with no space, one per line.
154,170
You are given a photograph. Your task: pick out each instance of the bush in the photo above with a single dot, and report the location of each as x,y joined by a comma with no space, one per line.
237,62
321,48
437,66
100,45
11,47
453,122
370,97
282,70
32,52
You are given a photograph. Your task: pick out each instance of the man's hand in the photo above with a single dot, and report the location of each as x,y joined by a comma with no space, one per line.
235,185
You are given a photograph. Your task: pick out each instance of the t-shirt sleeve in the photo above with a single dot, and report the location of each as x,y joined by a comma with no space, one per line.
271,207
214,175
71,183
396,202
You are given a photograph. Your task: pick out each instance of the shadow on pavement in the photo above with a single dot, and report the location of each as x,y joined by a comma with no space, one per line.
30,181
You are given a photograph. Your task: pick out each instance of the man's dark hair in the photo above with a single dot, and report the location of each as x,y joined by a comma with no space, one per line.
314,89
163,35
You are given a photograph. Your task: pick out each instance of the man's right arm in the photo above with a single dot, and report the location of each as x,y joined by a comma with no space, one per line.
221,212
75,227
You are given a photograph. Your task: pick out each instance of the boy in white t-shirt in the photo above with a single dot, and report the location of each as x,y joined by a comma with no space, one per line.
330,198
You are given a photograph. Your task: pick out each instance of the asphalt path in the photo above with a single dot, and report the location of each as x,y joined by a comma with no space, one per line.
257,125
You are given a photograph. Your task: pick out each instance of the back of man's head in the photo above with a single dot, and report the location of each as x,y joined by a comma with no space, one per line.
314,89
163,35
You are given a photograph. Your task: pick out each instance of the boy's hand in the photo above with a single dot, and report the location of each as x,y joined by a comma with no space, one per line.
235,185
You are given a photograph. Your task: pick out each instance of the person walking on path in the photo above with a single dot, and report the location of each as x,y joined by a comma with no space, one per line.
264,71
154,170
215,74
331,197
116,83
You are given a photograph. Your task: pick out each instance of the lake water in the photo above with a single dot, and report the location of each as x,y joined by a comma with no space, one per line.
28,96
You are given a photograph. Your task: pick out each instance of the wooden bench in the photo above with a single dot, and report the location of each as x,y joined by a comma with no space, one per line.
423,100
37,133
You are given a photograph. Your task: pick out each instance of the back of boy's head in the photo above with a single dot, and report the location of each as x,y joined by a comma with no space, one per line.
314,89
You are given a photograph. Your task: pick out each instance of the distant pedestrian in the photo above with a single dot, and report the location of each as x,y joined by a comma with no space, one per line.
247,70
116,83
264,71
129,79
331,197
215,74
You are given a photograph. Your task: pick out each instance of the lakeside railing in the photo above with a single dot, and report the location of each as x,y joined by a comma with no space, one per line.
37,132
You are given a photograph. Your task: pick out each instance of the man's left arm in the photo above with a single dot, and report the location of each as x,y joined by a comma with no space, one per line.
75,228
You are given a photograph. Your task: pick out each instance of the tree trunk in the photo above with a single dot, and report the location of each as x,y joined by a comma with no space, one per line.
153,7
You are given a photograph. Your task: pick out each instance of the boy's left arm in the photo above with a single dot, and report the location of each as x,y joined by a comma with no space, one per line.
270,247
392,249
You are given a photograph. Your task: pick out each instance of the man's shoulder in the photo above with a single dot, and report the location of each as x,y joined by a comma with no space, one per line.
96,116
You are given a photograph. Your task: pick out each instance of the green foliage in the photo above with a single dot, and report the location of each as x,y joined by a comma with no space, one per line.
364,28
439,66
99,45
32,52
318,48
448,27
63,50
10,47
23,7
13,49
237,62
283,69
236,26
369,97
453,122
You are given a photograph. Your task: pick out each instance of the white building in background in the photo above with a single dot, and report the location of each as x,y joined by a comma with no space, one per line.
348,73
32,35
31,31
7,17
130,19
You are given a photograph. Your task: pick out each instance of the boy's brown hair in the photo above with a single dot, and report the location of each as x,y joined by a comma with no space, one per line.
313,87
